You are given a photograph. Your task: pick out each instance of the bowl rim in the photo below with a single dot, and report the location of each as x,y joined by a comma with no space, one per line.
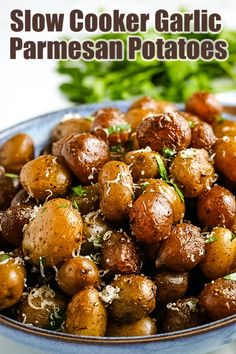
64,337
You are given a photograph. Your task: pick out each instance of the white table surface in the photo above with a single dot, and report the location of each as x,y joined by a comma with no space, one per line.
30,88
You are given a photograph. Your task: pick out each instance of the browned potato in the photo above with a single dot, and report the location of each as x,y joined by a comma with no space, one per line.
41,307
183,314
217,207
203,136
110,126
58,145
136,298
204,105
135,116
77,273
224,127
94,228
23,198
12,281
193,172
183,249
85,198
225,161
220,253
16,152
144,327
151,218
13,221
86,314
143,163
116,190
164,130
191,118
45,176
169,192
120,254
218,298
158,106
71,126
85,155
53,234
9,186
171,286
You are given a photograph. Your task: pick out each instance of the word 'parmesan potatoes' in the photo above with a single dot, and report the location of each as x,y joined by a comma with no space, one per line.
125,224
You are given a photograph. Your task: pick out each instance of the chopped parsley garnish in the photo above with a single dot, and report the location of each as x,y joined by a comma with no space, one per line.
233,236
164,176
42,261
63,206
191,124
116,148
75,205
118,128
80,191
211,239
144,185
168,153
11,175
43,209
220,119
231,276
3,257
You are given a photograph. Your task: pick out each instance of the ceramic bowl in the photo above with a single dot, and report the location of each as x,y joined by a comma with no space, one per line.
16,338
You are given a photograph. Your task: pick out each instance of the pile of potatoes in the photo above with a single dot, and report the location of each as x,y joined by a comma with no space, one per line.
125,225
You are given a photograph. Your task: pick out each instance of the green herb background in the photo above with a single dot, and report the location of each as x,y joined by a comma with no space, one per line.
172,80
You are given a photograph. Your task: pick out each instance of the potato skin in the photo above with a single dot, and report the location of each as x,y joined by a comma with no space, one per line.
116,190
110,118
171,285
143,164
164,130
136,298
13,221
86,314
12,282
85,155
183,314
53,303
135,116
225,161
120,254
192,171
204,105
151,218
16,152
54,233
8,189
158,106
77,273
219,254
224,128
219,298
144,327
160,186
203,136
70,126
217,207
45,176
23,198
183,249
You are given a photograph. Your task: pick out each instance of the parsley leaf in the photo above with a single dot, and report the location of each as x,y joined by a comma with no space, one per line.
211,239
3,257
191,124
75,205
63,206
80,191
231,276
161,168
118,128
233,236
11,175
168,153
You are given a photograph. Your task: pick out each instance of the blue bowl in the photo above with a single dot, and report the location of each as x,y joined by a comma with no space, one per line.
19,338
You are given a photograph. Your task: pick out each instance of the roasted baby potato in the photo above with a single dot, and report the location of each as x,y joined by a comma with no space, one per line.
77,273
164,130
16,152
120,254
135,116
203,136
71,126
218,298
220,253
217,207
193,172
158,106
45,177
224,127
183,249
151,218
136,298
116,190
85,155
205,106
9,186
144,327
225,152
12,281
54,234
86,314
